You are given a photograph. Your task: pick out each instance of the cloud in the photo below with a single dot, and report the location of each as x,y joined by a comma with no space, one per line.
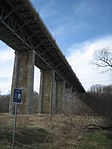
48,9
6,55
70,28
6,67
6,70
36,79
85,8
80,57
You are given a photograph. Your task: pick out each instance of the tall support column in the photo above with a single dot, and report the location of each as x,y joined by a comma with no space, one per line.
14,82
68,94
23,77
73,102
64,98
76,103
47,92
60,95
71,94
40,100
30,83
53,92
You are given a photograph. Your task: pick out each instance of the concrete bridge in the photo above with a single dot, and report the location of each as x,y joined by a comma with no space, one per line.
23,30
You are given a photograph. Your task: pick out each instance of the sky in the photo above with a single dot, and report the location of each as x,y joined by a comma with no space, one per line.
79,27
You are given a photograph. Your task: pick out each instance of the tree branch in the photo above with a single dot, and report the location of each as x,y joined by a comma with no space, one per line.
103,58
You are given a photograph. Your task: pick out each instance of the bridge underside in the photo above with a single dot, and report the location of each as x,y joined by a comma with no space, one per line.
23,30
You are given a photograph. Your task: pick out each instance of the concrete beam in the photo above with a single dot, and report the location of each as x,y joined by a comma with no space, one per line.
23,77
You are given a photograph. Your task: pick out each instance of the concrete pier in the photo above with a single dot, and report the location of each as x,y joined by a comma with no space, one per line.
60,95
47,92
68,93
23,78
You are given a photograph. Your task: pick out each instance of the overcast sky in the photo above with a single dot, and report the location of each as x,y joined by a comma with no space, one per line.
80,27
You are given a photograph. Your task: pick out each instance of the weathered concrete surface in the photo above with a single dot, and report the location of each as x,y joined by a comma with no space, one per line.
23,77
53,92
60,95
68,94
47,92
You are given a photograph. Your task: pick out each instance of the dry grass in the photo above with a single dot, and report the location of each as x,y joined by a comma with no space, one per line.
68,128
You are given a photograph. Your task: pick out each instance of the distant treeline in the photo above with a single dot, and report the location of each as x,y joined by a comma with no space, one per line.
4,102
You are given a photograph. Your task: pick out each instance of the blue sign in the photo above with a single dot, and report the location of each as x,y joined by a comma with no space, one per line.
17,97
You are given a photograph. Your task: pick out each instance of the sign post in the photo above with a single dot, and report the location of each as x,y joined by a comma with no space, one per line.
17,96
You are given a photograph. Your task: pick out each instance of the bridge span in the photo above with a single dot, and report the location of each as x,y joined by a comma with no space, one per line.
23,30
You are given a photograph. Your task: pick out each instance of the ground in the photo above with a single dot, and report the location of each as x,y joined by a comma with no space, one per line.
56,132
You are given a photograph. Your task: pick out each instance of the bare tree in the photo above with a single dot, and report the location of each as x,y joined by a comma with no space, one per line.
100,89
103,59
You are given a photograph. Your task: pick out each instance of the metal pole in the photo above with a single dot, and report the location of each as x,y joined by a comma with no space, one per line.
14,129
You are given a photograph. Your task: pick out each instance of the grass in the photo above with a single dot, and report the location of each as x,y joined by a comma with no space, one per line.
91,140
24,137
97,140
9,147
39,146
21,147
36,132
